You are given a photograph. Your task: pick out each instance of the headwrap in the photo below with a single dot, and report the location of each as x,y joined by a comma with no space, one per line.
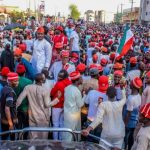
12,76
75,75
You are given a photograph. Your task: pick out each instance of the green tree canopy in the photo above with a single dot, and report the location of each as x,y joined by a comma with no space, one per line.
15,15
74,12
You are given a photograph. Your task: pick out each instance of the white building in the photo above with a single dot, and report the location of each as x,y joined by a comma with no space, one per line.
145,11
89,15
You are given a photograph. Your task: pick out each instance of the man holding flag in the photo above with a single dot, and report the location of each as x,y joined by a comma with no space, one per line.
126,42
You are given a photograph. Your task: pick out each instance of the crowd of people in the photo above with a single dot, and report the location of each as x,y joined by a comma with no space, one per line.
72,76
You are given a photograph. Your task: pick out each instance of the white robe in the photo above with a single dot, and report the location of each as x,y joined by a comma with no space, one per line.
58,66
72,110
42,54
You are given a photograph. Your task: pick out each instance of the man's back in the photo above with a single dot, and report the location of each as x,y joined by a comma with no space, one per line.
113,124
36,95
73,99
110,114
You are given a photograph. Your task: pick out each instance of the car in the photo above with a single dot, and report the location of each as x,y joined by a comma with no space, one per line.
37,144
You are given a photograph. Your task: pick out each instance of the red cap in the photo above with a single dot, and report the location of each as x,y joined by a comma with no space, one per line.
40,30
75,55
81,67
103,83
104,62
60,28
133,60
74,60
112,56
110,42
100,44
65,53
118,57
75,75
104,49
12,76
21,69
100,68
118,66
145,110
17,52
22,47
95,57
59,45
137,82
118,72
148,74
92,44
93,66
5,71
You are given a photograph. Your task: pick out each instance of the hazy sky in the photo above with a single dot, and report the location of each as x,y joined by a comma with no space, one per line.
52,7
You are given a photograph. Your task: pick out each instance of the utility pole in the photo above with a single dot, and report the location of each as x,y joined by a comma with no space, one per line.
132,2
132,5
29,8
35,10
121,12
117,15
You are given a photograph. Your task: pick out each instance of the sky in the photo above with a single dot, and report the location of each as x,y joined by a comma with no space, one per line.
52,7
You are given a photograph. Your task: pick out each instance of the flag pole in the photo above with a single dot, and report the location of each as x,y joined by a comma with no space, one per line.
119,48
113,62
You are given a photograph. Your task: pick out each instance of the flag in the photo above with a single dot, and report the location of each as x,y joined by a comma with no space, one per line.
126,41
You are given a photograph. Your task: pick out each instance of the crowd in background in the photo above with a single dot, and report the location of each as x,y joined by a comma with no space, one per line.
71,76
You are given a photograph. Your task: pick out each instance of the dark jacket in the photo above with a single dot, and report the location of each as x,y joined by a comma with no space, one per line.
7,60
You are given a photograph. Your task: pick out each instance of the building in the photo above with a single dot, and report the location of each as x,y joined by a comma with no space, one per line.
145,11
8,9
89,15
131,16
99,16
5,11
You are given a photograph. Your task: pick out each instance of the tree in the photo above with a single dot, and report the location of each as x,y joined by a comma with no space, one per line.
74,12
15,15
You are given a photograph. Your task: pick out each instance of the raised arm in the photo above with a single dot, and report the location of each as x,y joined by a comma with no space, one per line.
21,97
98,119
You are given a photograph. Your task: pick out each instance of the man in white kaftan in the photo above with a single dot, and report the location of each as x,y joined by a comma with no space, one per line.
42,52
72,107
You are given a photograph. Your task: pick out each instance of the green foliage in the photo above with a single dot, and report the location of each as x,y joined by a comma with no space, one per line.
74,12
15,15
